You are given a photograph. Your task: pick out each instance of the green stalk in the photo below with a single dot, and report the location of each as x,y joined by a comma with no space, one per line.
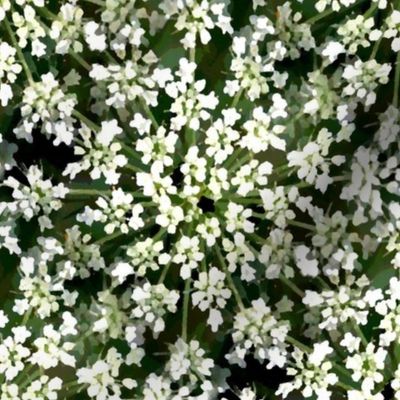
371,10
87,192
360,334
164,273
237,97
149,113
303,225
86,121
186,298
396,82
291,285
80,60
231,283
107,238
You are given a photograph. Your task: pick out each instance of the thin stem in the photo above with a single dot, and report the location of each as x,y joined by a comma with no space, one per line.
303,225
131,152
396,82
108,238
132,168
360,334
87,192
375,48
296,343
320,16
86,120
344,386
231,283
80,60
164,273
192,55
233,157
27,316
31,377
159,234
291,285
19,52
304,184
149,113
371,10
240,161
186,298
237,98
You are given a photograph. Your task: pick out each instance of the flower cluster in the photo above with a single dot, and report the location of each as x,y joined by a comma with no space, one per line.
196,195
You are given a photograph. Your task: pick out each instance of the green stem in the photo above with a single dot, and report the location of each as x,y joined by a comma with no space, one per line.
344,386
31,377
396,82
360,334
320,16
108,238
232,158
88,192
303,225
149,113
86,121
371,10
294,342
27,316
131,152
291,285
186,298
237,98
80,60
229,278
375,48
164,273
159,234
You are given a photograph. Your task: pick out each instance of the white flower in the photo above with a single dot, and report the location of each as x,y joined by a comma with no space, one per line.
45,101
211,294
363,78
109,129
258,329
190,105
312,373
367,366
260,134
152,303
66,30
198,17
100,159
50,350
39,197
9,70
305,261
393,29
187,254
187,359
94,36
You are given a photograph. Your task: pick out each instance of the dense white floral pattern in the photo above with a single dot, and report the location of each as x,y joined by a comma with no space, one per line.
199,199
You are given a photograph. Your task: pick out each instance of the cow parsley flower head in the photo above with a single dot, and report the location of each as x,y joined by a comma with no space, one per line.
192,190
